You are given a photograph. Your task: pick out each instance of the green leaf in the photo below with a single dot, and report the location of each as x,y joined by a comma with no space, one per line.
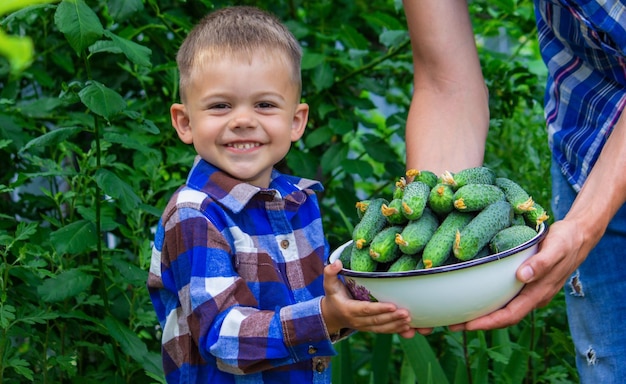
501,342
383,20
318,136
517,367
25,231
106,46
333,157
341,127
131,273
323,77
121,10
130,343
43,107
52,138
423,360
305,163
78,22
65,285
7,315
115,187
342,363
311,60
108,214
358,167
102,100
381,356
17,50
22,367
39,317
7,6
406,372
392,38
129,141
134,52
353,38
74,238
379,150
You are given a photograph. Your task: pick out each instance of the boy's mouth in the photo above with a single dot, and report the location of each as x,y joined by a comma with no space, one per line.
243,145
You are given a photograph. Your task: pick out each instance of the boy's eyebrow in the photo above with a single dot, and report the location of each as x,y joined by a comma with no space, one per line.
227,94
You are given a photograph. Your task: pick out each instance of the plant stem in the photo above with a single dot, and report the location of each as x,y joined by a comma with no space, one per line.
390,53
468,367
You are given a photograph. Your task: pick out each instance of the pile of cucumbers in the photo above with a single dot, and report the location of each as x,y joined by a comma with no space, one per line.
437,220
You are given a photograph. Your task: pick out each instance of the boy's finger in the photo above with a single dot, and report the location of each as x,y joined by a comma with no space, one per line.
331,281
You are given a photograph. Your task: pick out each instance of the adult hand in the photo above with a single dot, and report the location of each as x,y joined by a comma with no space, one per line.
544,273
340,310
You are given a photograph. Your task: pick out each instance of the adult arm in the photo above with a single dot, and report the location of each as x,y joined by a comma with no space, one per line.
449,113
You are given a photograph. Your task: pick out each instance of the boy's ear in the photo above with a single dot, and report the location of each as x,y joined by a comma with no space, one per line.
300,119
181,123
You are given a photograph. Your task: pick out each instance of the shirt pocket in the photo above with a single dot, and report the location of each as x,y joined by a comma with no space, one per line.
256,267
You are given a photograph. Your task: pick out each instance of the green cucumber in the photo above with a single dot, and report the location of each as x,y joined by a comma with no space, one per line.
399,189
441,199
370,224
361,207
511,237
416,233
479,232
476,197
361,261
439,247
415,199
485,251
518,220
476,175
393,212
516,195
535,216
403,263
383,248
346,255
427,177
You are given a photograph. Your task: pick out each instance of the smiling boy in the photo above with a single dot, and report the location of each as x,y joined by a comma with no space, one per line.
237,276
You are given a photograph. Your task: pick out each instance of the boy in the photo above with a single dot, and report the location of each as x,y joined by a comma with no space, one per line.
237,275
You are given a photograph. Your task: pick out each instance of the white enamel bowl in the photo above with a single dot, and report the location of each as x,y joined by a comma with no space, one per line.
449,294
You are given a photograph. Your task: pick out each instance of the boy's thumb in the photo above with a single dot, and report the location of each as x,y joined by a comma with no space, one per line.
330,274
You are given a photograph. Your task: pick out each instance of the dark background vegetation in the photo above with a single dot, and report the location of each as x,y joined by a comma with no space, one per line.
88,160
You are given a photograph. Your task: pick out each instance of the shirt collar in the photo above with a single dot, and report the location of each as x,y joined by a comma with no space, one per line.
235,194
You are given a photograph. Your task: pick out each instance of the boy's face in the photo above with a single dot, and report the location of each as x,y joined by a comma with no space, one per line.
242,115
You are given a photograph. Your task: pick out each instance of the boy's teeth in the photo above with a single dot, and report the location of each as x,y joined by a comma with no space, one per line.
244,145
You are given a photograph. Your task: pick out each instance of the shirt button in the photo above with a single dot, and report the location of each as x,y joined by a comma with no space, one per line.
312,350
284,244
319,367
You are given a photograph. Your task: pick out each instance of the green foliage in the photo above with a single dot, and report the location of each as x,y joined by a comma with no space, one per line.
89,160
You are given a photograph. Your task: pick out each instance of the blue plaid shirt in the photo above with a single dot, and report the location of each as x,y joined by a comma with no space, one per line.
583,44
236,281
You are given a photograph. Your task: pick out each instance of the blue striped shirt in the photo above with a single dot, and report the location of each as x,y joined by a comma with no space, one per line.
236,280
583,45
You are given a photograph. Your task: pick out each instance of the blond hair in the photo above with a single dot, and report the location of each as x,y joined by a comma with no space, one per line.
238,30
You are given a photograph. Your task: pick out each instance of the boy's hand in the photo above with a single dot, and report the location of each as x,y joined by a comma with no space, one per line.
340,310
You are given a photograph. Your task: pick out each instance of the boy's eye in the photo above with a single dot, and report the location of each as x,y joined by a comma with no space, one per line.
219,106
265,105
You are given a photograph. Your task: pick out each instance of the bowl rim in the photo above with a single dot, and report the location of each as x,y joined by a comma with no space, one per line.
541,234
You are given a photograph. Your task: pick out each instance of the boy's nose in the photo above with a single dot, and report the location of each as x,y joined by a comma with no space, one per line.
243,119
